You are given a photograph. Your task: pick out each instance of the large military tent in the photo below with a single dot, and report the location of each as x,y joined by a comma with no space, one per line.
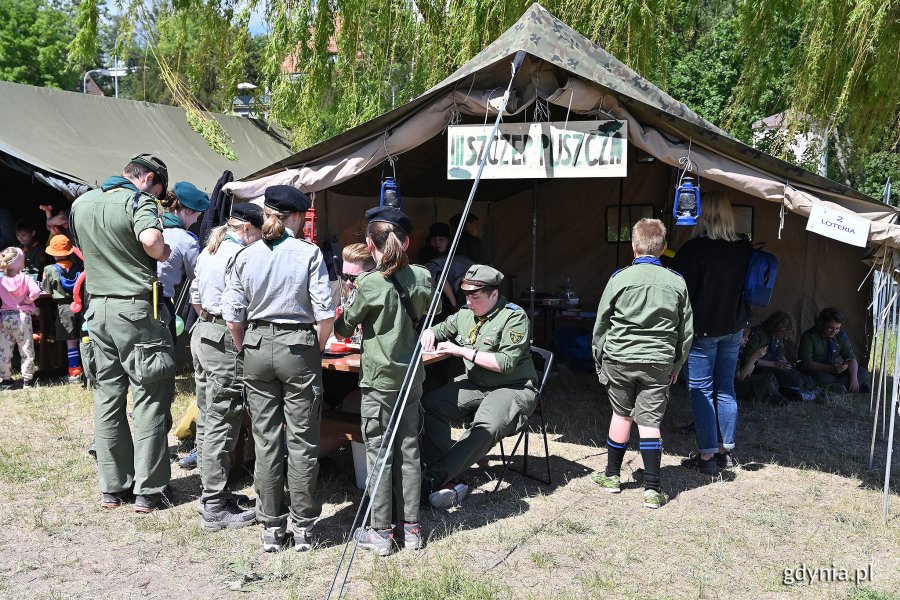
55,145
565,77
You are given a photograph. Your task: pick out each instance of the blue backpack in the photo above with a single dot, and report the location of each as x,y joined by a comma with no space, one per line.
760,279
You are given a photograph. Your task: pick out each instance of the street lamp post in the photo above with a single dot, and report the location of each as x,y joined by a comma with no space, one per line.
85,78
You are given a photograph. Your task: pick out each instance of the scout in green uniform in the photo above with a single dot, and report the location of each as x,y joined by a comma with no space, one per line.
825,354
641,339
219,370
771,334
121,238
276,291
389,304
59,281
498,390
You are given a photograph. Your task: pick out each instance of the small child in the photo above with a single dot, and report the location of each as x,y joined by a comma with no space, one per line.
59,282
641,340
35,259
18,292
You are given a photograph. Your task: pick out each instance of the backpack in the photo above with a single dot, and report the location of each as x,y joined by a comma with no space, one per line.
760,280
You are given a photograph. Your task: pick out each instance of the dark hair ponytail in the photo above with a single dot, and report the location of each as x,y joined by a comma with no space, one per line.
170,202
389,241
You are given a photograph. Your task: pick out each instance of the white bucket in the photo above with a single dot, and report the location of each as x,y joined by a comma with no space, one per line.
359,463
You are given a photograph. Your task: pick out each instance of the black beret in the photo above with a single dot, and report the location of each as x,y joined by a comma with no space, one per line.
249,212
439,230
389,214
286,199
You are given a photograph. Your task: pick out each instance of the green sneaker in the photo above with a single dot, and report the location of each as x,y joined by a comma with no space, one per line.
654,499
610,484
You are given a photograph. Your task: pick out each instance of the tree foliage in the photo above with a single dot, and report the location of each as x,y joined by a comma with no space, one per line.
33,39
831,62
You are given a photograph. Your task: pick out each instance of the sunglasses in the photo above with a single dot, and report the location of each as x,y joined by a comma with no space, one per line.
348,278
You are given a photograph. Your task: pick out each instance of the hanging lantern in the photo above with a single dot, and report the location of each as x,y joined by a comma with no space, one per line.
687,202
390,193
309,225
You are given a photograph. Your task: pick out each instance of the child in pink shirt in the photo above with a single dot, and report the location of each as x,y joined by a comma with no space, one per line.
18,292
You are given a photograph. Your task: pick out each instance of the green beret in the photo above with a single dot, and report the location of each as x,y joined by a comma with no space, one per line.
190,197
479,276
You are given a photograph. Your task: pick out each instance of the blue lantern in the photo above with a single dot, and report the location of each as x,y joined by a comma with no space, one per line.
390,193
687,202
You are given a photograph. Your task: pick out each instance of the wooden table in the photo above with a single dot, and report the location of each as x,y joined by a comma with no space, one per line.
350,362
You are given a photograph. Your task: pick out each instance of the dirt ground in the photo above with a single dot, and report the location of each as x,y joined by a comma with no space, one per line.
799,509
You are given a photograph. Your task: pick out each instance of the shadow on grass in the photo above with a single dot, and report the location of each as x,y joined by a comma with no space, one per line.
833,436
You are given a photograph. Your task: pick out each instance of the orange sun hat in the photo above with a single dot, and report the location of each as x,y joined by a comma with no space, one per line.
59,245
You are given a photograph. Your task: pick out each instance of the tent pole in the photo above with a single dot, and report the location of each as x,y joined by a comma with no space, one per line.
890,445
888,319
619,223
534,221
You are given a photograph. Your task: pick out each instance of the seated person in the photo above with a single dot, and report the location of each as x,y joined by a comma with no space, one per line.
749,383
498,390
827,357
436,244
771,334
470,245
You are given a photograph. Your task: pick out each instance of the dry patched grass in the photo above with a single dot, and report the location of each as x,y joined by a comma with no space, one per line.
802,497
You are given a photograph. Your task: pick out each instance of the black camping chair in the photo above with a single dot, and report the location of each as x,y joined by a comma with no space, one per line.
545,357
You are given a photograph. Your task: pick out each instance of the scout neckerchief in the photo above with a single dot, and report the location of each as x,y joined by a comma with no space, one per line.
117,181
172,221
228,236
274,243
647,260
479,321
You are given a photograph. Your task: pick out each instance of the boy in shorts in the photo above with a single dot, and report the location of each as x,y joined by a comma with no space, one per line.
641,340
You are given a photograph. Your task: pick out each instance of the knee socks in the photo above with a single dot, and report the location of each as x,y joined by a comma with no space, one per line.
615,453
651,453
74,357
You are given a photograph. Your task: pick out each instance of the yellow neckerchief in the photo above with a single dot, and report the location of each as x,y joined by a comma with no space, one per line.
479,321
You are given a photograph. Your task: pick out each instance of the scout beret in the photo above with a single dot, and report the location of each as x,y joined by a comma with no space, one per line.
155,165
248,212
190,197
389,214
286,199
479,276
439,230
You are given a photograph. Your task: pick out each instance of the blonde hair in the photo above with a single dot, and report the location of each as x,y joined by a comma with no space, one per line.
273,226
389,241
7,257
716,217
358,253
217,235
648,237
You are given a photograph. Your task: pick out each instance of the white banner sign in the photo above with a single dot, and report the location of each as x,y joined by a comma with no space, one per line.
539,150
840,226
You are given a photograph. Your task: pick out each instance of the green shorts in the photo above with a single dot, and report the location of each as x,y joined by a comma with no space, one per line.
637,390
68,324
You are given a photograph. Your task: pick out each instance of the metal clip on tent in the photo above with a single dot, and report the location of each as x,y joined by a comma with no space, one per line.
390,432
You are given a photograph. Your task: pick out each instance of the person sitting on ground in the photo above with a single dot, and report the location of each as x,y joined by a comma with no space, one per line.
827,357
498,390
18,292
771,335
749,383
35,259
436,244
59,282
470,244
641,340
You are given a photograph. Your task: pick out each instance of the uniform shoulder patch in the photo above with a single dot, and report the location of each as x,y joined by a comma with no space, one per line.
513,306
516,336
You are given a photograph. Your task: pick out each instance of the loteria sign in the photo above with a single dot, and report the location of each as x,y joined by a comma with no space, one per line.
539,150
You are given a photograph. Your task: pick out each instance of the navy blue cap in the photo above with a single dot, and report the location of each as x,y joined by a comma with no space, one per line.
389,214
286,199
248,212
190,197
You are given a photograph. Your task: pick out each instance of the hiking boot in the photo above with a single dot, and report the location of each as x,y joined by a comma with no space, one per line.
610,483
145,503
302,538
189,462
92,450
707,467
75,374
413,537
274,538
654,499
113,499
448,496
225,514
379,541
724,460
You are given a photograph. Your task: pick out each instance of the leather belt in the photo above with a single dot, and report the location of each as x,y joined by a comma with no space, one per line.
209,317
282,326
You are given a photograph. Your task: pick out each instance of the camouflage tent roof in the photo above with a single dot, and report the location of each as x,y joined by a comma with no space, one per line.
549,40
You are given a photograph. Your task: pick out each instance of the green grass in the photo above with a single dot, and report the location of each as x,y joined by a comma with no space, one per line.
446,579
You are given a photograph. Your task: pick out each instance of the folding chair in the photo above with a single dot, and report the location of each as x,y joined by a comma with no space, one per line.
545,357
